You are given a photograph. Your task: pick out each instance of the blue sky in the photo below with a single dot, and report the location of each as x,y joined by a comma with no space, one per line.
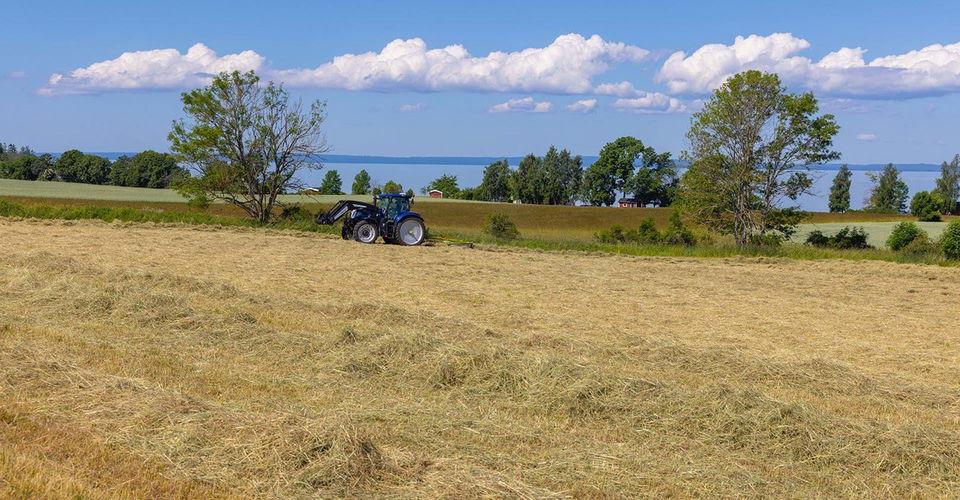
890,71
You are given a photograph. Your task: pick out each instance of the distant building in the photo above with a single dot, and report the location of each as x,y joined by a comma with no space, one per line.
627,203
435,193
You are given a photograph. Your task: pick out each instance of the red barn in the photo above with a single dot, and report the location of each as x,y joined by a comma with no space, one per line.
435,193
627,203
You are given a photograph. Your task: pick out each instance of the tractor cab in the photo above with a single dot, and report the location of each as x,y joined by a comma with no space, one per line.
392,204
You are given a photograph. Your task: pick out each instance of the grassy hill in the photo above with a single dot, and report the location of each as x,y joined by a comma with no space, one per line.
144,361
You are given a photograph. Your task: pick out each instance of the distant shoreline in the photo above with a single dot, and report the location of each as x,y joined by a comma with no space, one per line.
514,160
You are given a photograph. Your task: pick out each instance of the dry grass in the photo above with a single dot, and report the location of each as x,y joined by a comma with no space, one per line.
156,361
548,223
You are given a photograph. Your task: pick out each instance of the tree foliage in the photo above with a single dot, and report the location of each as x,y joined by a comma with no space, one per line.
76,166
496,181
750,150
246,143
391,187
628,166
446,184
552,179
332,183
948,185
889,192
148,169
840,190
926,206
361,183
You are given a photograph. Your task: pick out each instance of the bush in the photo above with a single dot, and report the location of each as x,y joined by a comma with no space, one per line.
616,235
926,206
903,234
920,246
295,212
647,233
501,227
677,233
766,240
950,240
846,238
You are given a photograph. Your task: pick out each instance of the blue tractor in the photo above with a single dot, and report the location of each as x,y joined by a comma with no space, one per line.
389,217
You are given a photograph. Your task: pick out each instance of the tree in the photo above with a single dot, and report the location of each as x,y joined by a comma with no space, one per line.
948,185
655,181
332,183
246,143
889,192
392,187
446,183
26,168
361,183
840,190
599,185
148,169
75,166
926,206
750,148
527,181
496,181
562,174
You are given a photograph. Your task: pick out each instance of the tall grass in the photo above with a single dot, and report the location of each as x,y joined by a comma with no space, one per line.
792,251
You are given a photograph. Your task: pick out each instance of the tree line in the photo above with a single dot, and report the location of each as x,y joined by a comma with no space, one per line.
148,169
889,193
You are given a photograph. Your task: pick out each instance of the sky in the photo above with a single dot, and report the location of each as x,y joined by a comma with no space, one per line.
492,78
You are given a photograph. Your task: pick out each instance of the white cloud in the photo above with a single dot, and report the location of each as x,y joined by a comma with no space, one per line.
583,106
152,69
651,102
526,105
565,66
406,108
932,70
866,137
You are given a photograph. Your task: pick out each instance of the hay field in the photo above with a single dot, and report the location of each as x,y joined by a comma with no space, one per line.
140,360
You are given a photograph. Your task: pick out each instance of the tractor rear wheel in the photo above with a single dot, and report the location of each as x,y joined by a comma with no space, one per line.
411,231
365,232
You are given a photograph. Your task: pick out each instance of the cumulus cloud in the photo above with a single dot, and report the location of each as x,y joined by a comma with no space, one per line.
866,137
407,108
152,69
565,66
583,106
651,103
525,105
932,70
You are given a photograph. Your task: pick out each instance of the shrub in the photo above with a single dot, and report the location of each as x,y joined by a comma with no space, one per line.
818,239
295,212
501,227
926,206
846,238
616,235
903,234
920,246
950,240
766,240
647,233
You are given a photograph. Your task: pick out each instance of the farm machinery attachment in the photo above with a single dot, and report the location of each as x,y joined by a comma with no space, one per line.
388,217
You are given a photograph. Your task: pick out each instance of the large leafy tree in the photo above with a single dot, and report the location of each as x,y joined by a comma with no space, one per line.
332,183
75,166
26,167
496,181
840,190
527,182
626,165
948,185
562,173
361,183
246,143
750,150
446,183
655,182
148,169
889,192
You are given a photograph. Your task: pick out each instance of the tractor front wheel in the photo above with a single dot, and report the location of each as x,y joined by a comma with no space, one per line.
411,231
365,232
